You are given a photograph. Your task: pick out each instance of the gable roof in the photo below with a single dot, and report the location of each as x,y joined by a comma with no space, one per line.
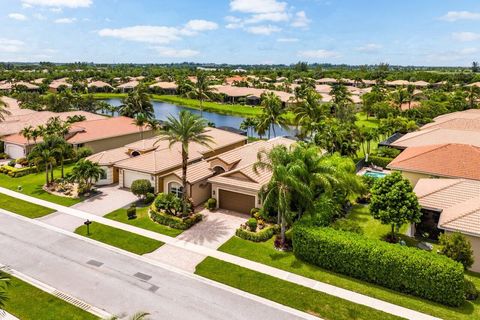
437,136
459,200
456,124
444,160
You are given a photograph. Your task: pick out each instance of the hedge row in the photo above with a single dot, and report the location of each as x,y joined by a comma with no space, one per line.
172,221
408,270
379,161
16,172
260,236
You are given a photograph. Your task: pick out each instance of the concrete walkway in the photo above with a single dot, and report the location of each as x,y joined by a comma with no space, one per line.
110,199
215,229
199,249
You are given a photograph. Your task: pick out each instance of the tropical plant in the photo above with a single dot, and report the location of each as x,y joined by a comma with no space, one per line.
308,113
201,89
27,133
4,283
136,102
248,124
43,157
188,128
457,247
86,173
272,112
393,202
3,111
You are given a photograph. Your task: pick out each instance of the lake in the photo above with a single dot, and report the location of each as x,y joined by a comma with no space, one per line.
164,109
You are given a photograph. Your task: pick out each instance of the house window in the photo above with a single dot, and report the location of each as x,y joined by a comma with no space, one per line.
103,176
175,188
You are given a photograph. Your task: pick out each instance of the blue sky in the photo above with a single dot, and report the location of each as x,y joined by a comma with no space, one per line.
406,32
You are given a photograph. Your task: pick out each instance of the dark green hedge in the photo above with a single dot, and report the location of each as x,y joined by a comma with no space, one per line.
260,236
172,221
409,270
379,161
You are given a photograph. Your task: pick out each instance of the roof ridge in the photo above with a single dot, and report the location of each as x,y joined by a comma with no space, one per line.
434,147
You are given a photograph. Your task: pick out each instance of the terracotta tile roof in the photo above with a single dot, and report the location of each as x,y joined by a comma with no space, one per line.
233,91
437,136
59,82
109,157
467,114
459,200
398,83
456,124
99,84
421,83
164,85
129,85
444,160
196,172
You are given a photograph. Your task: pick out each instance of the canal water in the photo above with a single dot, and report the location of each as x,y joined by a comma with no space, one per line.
164,109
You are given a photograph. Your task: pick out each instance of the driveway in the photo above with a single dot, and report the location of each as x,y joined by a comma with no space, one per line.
215,229
121,283
111,199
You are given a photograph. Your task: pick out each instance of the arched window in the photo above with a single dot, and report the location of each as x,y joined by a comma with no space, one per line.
135,154
175,188
218,170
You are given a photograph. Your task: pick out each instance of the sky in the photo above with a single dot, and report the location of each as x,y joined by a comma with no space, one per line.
398,32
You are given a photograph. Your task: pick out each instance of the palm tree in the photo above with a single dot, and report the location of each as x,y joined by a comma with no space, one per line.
308,112
399,97
201,90
43,156
137,316
3,110
248,124
272,112
278,193
4,282
27,133
140,121
137,101
62,149
188,128
473,94
86,173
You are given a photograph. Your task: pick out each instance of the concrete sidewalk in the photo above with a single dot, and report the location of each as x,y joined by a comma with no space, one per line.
202,250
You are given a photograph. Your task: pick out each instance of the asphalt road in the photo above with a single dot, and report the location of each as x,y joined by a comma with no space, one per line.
116,282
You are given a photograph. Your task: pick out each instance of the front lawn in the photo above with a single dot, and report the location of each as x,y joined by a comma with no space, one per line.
293,295
142,221
32,185
24,208
119,238
266,254
27,302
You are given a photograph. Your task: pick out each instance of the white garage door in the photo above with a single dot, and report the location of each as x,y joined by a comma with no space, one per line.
14,151
130,176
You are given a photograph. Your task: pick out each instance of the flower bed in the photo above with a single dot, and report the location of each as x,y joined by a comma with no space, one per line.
172,221
16,172
257,236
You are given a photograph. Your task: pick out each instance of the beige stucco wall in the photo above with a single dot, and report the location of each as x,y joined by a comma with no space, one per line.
117,142
109,179
475,242
413,177
199,192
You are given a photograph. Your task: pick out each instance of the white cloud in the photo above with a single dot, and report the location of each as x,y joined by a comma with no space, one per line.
271,16
300,20
59,3
263,30
26,5
318,54
10,45
65,20
159,34
39,16
287,40
17,16
466,36
452,16
176,53
56,10
370,47
257,6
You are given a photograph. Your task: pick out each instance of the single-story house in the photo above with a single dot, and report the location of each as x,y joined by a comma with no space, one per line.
155,160
98,135
436,136
166,87
451,205
99,86
56,84
129,86
251,94
449,160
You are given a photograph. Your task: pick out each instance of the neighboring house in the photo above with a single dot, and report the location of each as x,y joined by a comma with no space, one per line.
437,135
56,84
439,161
99,86
129,86
165,87
252,95
98,135
451,205
154,160
236,186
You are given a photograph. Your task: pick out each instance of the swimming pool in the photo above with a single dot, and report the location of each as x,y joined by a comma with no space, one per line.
374,174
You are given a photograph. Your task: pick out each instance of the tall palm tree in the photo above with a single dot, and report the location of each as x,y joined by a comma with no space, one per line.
140,121
188,128
3,110
86,173
278,193
137,101
27,134
248,124
473,94
201,90
43,156
399,97
308,112
63,150
272,112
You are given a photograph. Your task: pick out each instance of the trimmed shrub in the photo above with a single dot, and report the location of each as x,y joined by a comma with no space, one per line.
132,212
347,225
379,161
173,221
260,236
16,172
149,197
141,187
252,224
408,270
471,292
457,247
211,204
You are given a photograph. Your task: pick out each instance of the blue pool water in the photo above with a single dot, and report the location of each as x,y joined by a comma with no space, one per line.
374,174
163,110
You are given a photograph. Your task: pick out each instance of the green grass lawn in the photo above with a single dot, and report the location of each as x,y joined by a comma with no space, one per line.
32,186
119,238
266,254
286,293
27,302
142,221
362,121
23,208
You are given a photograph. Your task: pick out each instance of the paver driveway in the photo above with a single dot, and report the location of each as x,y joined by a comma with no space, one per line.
111,198
215,229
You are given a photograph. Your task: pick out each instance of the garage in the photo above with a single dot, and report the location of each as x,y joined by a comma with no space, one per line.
235,201
130,176
14,151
